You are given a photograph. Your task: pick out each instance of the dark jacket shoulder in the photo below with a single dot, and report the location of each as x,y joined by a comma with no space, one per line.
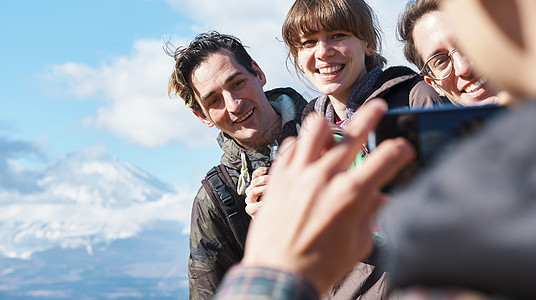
401,86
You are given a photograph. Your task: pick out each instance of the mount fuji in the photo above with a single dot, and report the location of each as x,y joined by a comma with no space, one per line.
90,226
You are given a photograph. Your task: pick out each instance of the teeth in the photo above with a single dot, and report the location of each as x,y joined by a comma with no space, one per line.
475,86
329,70
244,116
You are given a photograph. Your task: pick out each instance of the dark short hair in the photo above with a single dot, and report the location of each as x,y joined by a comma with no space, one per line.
188,58
414,11
354,16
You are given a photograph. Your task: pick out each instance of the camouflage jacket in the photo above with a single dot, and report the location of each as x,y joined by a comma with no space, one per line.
212,243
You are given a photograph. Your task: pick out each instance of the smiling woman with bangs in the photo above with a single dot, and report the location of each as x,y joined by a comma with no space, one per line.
336,44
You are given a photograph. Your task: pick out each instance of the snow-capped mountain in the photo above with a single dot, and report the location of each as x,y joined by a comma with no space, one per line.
82,199
93,177
89,218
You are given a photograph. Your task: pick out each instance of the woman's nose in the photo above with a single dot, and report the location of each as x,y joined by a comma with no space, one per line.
323,50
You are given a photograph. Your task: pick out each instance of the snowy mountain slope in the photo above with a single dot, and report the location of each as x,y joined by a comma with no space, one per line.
84,199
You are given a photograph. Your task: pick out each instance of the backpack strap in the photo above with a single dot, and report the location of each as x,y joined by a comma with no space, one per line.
222,191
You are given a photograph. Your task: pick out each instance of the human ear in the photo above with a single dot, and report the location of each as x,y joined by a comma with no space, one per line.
260,73
203,119
431,82
369,50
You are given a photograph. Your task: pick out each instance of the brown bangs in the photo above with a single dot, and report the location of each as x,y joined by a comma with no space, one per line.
309,17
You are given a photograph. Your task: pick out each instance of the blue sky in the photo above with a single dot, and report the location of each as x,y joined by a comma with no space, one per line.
82,74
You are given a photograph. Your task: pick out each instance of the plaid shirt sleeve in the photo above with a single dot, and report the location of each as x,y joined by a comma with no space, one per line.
257,283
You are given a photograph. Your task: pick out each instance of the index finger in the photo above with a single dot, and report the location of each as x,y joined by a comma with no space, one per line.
259,172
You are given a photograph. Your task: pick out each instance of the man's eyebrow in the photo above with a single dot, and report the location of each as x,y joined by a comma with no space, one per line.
229,79
437,51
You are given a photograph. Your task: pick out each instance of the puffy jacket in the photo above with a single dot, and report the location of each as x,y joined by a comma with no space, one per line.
212,244
400,86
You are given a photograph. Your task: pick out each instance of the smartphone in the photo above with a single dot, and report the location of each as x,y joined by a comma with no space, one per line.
431,131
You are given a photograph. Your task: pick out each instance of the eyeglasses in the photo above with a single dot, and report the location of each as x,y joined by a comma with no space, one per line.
439,66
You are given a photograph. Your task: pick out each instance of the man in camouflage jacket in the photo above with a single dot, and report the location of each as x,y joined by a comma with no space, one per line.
216,77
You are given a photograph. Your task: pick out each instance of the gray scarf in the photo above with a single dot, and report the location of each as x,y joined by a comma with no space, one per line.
363,89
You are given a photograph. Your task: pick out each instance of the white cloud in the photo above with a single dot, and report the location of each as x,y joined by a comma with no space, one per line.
28,227
388,12
133,92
